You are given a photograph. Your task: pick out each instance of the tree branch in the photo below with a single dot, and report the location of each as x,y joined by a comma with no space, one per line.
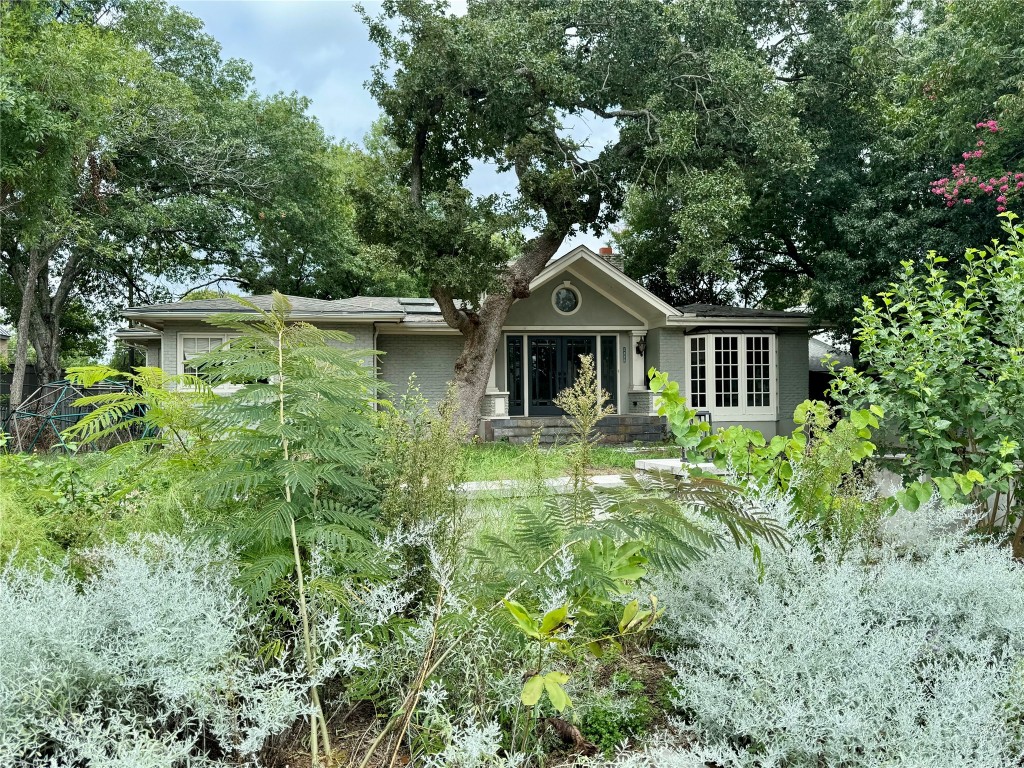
794,253
457,318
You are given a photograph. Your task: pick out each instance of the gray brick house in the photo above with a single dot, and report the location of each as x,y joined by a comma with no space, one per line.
738,366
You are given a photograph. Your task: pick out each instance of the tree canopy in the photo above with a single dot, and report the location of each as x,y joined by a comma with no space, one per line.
888,97
136,157
680,88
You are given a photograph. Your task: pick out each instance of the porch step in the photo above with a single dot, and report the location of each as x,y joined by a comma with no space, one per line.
627,428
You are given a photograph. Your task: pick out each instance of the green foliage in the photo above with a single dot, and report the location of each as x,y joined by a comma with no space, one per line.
165,410
613,536
584,404
551,630
130,145
816,465
64,503
689,433
886,96
945,356
420,463
627,717
509,461
289,463
293,442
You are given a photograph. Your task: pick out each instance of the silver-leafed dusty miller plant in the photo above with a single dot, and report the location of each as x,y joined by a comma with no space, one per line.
902,656
148,663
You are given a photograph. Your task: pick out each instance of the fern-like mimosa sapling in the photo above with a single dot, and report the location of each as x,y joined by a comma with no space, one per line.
293,444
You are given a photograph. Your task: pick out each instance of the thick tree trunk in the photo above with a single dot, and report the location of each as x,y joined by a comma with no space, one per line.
482,331
473,368
46,340
47,310
29,281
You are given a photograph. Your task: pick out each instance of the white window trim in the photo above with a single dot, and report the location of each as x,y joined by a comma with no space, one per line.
576,291
223,389
743,412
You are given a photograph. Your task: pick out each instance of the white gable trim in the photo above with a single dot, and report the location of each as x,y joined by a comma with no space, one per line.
615,300
583,253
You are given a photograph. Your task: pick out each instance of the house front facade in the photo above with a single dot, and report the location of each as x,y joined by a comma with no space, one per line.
737,366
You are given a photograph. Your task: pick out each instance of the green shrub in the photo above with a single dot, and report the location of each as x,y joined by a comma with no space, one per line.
622,713
58,503
150,661
944,355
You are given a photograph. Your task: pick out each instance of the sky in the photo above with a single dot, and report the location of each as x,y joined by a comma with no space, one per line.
320,49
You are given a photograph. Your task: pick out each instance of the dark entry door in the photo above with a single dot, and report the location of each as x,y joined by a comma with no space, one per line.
553,362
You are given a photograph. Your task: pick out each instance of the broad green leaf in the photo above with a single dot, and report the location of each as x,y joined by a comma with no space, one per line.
560,678
947,487
628,612
532,691
522,618
556,693
553,619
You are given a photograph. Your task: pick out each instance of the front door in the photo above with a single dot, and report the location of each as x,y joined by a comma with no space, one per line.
553,363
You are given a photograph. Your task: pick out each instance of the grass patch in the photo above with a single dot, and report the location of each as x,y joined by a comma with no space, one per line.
505,461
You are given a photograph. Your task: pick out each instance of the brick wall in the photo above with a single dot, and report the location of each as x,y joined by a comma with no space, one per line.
430,356
666,351
793,376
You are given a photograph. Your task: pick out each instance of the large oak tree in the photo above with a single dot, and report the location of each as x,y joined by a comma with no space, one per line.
682,84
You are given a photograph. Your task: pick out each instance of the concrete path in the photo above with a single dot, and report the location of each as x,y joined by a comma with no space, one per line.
504,489
675,466
515,488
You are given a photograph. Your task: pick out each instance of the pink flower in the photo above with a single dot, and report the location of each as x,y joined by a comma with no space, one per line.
1000,208
968,201
1020,185
1001,199
980,143
1004,188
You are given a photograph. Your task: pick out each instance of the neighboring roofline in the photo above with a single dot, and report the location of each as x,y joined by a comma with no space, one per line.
611,270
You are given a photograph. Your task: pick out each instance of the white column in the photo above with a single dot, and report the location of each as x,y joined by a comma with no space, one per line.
492,380
638,373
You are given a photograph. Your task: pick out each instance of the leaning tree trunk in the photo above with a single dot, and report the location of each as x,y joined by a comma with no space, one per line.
481,330
473,366
30,279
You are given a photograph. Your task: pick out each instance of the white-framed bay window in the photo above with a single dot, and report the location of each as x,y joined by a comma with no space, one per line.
733,376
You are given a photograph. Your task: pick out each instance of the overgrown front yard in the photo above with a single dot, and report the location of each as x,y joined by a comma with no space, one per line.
291,576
